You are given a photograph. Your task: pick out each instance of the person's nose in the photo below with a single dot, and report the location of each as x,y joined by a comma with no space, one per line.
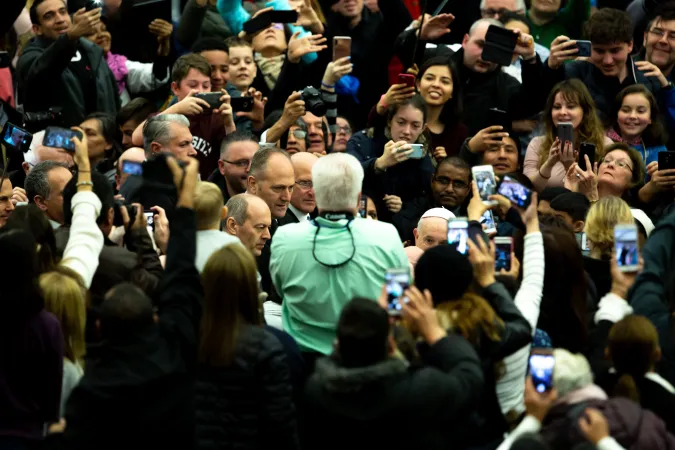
192,151
266,234
607,59
501,154
10,206
286,194
310,193
632,114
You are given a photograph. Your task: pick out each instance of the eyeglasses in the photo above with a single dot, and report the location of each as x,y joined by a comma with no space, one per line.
618,162
491,12
658,32
299,134
305,184
345,129
242,163
456,184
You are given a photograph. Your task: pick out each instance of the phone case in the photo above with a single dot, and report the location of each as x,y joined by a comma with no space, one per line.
586,150
565,132
407,79
500,45
242,104
342,47
666,160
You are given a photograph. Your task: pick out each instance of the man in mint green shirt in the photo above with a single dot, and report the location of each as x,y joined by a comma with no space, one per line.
547,21
318,266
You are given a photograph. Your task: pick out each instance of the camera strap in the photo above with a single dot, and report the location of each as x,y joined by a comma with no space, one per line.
334,217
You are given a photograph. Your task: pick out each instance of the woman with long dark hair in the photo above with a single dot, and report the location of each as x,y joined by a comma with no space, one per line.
105,142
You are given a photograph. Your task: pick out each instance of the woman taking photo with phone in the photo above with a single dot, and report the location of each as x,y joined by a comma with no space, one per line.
395,159
547,158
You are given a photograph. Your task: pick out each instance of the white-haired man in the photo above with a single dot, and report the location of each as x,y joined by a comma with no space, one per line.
318,266
431,231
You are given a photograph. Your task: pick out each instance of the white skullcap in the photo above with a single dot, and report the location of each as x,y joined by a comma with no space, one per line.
438,212
644,220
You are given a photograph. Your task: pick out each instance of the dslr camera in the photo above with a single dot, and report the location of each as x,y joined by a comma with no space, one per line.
313,101
36,121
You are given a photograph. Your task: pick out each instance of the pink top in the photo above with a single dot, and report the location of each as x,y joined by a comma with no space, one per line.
531,166
6,87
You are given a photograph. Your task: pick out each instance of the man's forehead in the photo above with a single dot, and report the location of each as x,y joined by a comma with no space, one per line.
664,24
496,4
50,5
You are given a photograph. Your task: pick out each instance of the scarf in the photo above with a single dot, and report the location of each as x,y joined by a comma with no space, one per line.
118,66
616,137
270,67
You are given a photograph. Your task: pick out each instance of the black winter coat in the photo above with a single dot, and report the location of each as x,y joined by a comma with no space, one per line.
248,405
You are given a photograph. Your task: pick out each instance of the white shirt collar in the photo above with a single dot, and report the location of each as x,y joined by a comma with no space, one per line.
658,379
302,217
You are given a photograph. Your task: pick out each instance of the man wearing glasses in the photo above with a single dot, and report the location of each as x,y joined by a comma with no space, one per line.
659,40
493,9
236,153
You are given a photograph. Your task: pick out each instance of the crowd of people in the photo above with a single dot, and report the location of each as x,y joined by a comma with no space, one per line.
240,224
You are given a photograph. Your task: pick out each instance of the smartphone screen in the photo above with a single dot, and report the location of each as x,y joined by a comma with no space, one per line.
150,218
60,138
418,151
342,47
541,371
514,191
503,250
16,137
396,282
626,247
487,220
458,235
586,149
484,177
363,206
132,168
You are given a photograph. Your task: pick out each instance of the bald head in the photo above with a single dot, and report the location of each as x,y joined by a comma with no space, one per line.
303,192
249,218
134,154
431,232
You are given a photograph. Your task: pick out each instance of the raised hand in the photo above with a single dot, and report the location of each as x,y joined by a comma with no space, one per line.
562,49
436,27
299,47
84,23
337,69
487,138
308,19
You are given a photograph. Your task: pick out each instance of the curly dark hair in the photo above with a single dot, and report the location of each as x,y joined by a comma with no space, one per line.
609,26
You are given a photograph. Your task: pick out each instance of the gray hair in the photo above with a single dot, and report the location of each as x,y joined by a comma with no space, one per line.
237,208
237,136
37,180
478,22
157,129
337,179
261,159
520,5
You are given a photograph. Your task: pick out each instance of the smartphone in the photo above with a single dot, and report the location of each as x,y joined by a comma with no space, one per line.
626,247
489,221
586,149
407,79
91,5
342,47
582,241
283,16
565,132
484,177
241,104
503,250
500,44
212,98
458,234
584,48
16,137
514,191
258,24
132,168
542,363
363,207
5,60
60,138
417,151
150,218
499,117
666,160
396,282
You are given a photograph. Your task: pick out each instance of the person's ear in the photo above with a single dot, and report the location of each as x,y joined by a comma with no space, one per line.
578,226
175,88
644,39
40,202
252,185
657,354
630,47
155,147
465,40
231,226
221,167
37,30
26,167
223,213
416,233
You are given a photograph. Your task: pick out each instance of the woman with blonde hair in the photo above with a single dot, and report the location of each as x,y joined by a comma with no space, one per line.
601,219
547,159
243,380
490,321
65,297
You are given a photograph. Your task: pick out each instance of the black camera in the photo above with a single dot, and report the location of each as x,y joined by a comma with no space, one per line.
313,101
118,220
37,121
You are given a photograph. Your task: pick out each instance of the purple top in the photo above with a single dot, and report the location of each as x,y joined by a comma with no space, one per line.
31,371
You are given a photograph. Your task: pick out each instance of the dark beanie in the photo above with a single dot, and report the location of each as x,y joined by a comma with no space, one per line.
445,272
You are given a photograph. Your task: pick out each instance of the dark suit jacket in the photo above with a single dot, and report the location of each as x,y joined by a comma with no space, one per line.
264,258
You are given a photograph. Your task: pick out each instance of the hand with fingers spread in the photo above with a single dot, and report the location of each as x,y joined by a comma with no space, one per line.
257,114
393,203
435,27
487,138
440,154
418,309
85,23
397,93
650,70
482,258
189,106
162,231
593,425
538,404
299,47
562,49
308,18
583,181
394,153
336,70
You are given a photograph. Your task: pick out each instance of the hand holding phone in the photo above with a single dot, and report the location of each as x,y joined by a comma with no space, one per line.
584,48
666,160
565,133
484,177
342,47
541,365
518,194
503,251
626,248
61,138
407,79
396,282
458,234
500,45
586,149
417,151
